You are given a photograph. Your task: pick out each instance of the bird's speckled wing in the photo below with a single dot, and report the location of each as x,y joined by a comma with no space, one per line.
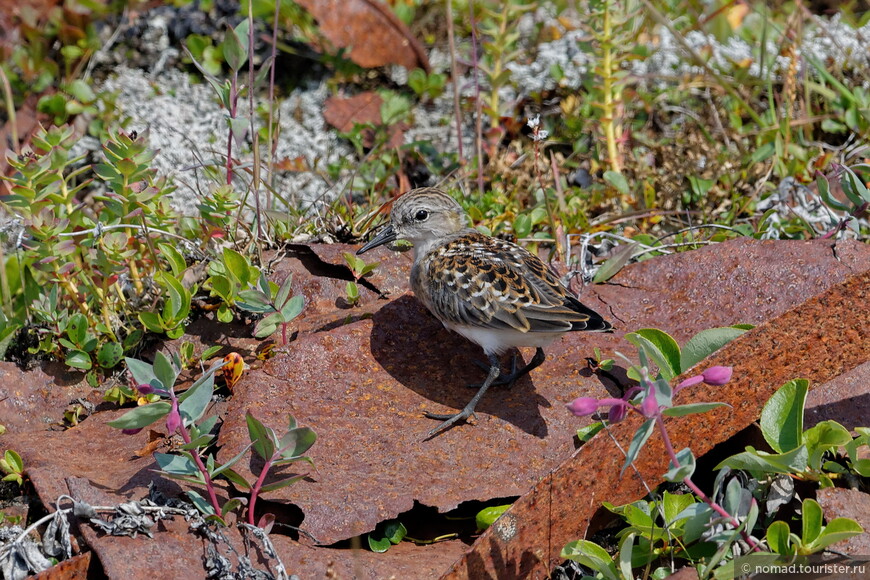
481,281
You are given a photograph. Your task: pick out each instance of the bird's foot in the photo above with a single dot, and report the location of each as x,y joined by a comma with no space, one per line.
449,420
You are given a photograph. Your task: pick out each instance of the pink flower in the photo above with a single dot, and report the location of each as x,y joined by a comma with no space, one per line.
717,376
649,407
690,382
145,389
173,420
583,406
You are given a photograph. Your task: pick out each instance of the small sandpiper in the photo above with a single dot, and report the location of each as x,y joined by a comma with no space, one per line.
493,292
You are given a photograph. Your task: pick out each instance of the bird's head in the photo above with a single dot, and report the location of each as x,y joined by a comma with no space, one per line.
421,216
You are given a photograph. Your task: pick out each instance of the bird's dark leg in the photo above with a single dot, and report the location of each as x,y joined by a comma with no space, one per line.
468,410
508,379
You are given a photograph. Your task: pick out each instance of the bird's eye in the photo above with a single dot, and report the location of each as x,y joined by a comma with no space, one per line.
421,215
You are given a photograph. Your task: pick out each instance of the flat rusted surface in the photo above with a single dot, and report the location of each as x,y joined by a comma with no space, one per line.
362,376
848,503
558,509
76,568
363,386
35,400
845,399
373,35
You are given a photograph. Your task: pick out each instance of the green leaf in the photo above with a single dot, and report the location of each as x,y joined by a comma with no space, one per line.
640,436
779,539
296,442
686,468
237,267
522,226
683,410
142,416
281,483
292,308
591,555
177,305
77,328
226,466
487,516
584,434
13,461
200,502
78,359
262,437
674,504
177,464
235,46
378,546
811,522
618,181
823,437
660,347
395,532
195,400
782,419
254,301
143,373
176,261
614,264
706,343
230,505
110,354
793,461
165,372
837,530
284,291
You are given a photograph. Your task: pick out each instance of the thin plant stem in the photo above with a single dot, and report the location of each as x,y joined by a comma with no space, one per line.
10,110
454,71
478,109
663,431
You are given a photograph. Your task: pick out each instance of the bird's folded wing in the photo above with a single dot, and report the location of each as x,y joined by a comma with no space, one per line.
510,289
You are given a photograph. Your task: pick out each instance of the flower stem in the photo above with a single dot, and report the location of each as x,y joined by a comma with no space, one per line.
753,545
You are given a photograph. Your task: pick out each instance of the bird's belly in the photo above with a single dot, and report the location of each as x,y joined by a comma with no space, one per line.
497,341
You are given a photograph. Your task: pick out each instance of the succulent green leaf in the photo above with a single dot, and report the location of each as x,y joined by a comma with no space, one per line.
262,437
487,516
782,418
706,343
142,416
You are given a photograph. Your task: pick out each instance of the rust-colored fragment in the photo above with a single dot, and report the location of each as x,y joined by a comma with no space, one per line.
818,340
373,34
75,568
848,503
344,112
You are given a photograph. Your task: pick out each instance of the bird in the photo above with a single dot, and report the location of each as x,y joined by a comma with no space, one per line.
491,291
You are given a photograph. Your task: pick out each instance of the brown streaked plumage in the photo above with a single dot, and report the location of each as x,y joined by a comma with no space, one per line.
492,292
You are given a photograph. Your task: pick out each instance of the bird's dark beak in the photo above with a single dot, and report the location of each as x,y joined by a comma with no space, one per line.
386,236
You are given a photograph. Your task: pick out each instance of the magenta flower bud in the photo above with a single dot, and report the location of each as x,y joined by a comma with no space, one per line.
583,406
690,382
617,413
717,375
131,431
173,420
649,407
145,389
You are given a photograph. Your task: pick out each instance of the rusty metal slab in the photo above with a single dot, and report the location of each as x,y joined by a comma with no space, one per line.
848,503
820,339
34,400
363,386
846,399
75,568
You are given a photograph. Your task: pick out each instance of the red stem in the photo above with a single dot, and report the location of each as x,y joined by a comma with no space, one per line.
697,490
255,491
209,485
